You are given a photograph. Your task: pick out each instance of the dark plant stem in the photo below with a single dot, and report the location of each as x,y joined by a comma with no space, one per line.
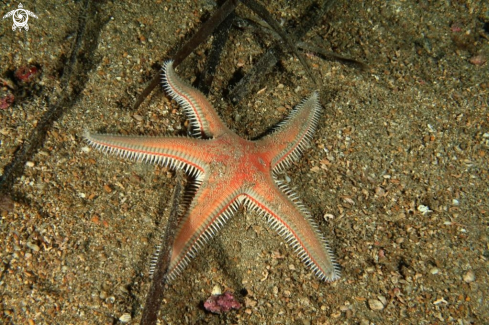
157,289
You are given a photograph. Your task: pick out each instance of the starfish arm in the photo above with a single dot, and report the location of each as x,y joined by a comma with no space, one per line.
174,152
211,207
288,216
293,134
204,120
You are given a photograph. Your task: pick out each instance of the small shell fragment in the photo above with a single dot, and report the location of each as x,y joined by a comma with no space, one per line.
440,301
435,270
424,209
125,318
469,276
216,290
328,216
375,304
32,246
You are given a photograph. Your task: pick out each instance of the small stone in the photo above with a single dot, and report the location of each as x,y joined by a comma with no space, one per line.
216,290
400,240
478,60
434,270
344,308
250,302
383,300
375,304
29,164
379,191
6,203
336,314
469,276
107,188
32,246
102,294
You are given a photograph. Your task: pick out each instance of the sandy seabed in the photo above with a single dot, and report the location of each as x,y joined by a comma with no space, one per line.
396,175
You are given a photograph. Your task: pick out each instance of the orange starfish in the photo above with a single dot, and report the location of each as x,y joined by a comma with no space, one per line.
230,171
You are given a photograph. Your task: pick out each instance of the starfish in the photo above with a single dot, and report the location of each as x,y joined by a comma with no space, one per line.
230,171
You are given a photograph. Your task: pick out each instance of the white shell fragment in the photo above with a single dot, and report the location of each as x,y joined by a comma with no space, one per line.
125,318
424,209
375,304
469,276
434,270
216,290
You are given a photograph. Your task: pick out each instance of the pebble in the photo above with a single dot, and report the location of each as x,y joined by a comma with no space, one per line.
375,304
102,294
400,240
469,276
216,290
34,247
275,290
336,314
435,270
344,308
